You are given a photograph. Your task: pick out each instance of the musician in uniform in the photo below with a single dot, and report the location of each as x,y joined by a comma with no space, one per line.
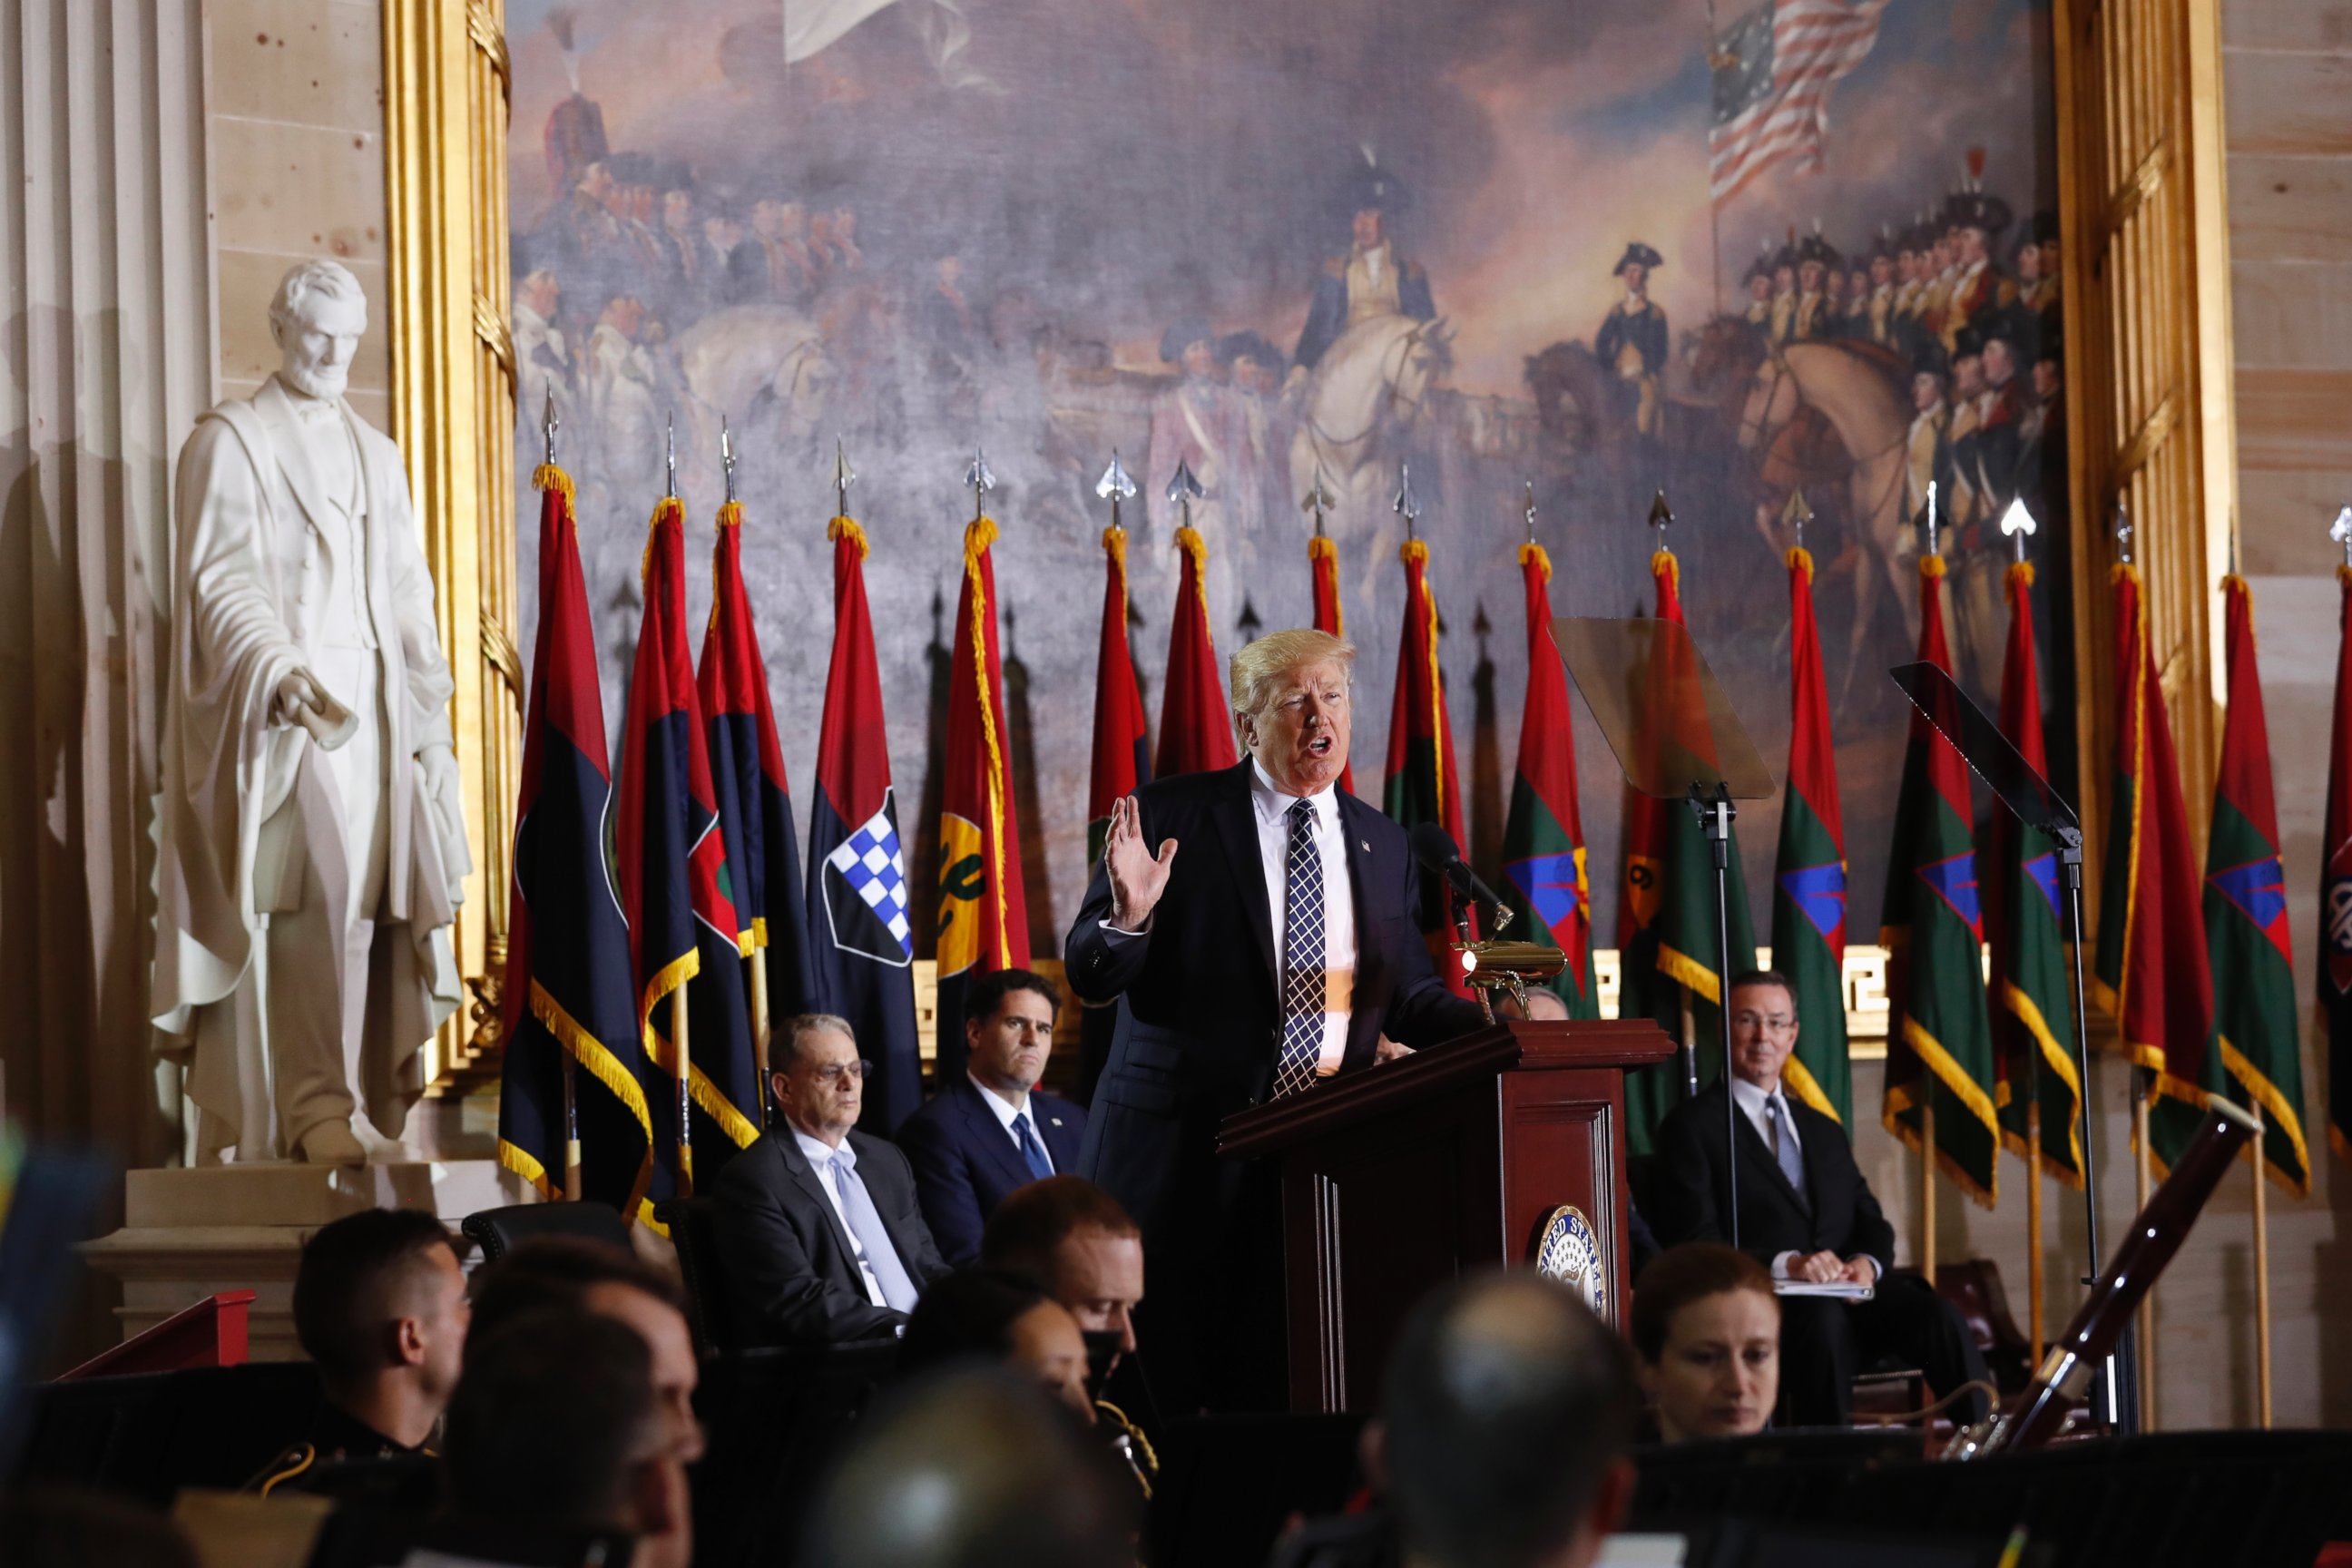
1371,279
1631,343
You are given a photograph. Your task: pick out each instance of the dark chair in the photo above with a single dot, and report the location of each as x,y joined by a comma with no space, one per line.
1973,1285
150,1433
500,1231
693,1229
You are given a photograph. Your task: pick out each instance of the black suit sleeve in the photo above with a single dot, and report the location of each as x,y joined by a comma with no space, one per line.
1685,1184
1098,965
1421,1012
775,1283
943,1189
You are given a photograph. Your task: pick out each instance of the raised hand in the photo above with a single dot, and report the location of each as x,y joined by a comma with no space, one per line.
1137,877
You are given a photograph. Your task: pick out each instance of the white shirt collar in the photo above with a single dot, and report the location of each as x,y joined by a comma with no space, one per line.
820,1153
1753,1100
1005,1108
1274,805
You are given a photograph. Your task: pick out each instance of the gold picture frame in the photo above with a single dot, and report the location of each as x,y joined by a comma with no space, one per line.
2143,220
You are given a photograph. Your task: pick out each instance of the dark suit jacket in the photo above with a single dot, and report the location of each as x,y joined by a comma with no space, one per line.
965,1163
1837,1211
1199,1014
792,1278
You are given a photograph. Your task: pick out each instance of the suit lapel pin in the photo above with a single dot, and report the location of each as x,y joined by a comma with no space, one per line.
1055,1120
1365,845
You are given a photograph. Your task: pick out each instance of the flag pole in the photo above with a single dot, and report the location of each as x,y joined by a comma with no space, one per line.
1927,1187
572,1162
678,1010
756,961
2261,1269
2143,1092
2018,524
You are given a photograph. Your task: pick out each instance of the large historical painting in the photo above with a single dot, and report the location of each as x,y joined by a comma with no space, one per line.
1604,248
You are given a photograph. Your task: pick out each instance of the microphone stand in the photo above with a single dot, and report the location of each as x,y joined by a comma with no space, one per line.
1714,819
2116,1383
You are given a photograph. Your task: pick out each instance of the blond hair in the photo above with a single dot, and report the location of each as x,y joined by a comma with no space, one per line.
1258,670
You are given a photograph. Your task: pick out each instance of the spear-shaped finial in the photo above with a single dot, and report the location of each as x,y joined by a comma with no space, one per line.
1318,500
1795,514
2340,531
1183,490
727,458
979,481
1927,520
669,454
2018,524
1115,487
1662,517
549,422
843,476
1528,511
1407,505
2124,531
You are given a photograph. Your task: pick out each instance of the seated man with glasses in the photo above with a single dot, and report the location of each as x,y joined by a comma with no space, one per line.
817,1221
1806,1212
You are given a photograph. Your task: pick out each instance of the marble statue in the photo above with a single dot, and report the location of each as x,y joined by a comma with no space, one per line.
311,839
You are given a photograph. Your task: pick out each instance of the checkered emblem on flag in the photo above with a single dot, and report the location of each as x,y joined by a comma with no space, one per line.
1772,71
871,862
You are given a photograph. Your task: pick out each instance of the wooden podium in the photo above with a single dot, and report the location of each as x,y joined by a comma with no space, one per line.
1399,1178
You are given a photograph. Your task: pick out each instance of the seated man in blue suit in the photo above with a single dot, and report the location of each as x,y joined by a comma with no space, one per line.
990,1130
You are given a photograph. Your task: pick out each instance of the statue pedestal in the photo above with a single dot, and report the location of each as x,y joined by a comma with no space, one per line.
189,1233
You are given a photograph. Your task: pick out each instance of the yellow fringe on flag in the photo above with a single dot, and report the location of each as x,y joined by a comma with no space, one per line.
1322,547
548,477
662,508
1664,562
1931,567
1799,556
978,535
1114,543
1533,552
730,514
1413,553
842,528
2019,573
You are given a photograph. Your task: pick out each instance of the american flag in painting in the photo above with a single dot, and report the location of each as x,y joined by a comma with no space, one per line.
1773,69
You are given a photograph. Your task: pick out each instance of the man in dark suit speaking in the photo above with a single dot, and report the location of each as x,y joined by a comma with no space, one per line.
1806,1212
1257,927
992,1130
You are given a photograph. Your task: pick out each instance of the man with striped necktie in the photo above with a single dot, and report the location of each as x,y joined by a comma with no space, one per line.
1256,926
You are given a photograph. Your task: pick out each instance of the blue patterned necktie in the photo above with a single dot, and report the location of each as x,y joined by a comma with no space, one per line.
1303,958
1033,1153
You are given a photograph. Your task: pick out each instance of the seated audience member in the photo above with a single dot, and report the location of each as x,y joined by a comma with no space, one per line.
380,1307
1074,1241
1505,1426
991,1130
1004,1319
973,1469
570,1271
1806,1212
1707,1342
817,1221
556,1423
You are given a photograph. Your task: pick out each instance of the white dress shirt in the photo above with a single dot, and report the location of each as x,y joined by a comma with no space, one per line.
1761,1107
1005,1111
820,1155
1272,810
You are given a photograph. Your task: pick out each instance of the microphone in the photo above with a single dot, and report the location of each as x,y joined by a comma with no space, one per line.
1435,849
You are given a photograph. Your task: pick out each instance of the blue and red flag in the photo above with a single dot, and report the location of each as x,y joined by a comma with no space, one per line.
747,765
1808,892
685,938
861,942
567,979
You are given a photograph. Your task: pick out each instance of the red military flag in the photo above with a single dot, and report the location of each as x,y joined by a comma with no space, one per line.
1323,560
1543,840
1808,891
1422,784
983,917
1122,760
1196,728
2152,975
685,938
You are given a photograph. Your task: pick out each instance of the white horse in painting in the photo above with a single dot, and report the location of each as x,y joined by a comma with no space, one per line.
1368,388
1862,405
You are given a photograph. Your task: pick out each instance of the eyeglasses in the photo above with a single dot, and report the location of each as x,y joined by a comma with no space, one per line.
833,1073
